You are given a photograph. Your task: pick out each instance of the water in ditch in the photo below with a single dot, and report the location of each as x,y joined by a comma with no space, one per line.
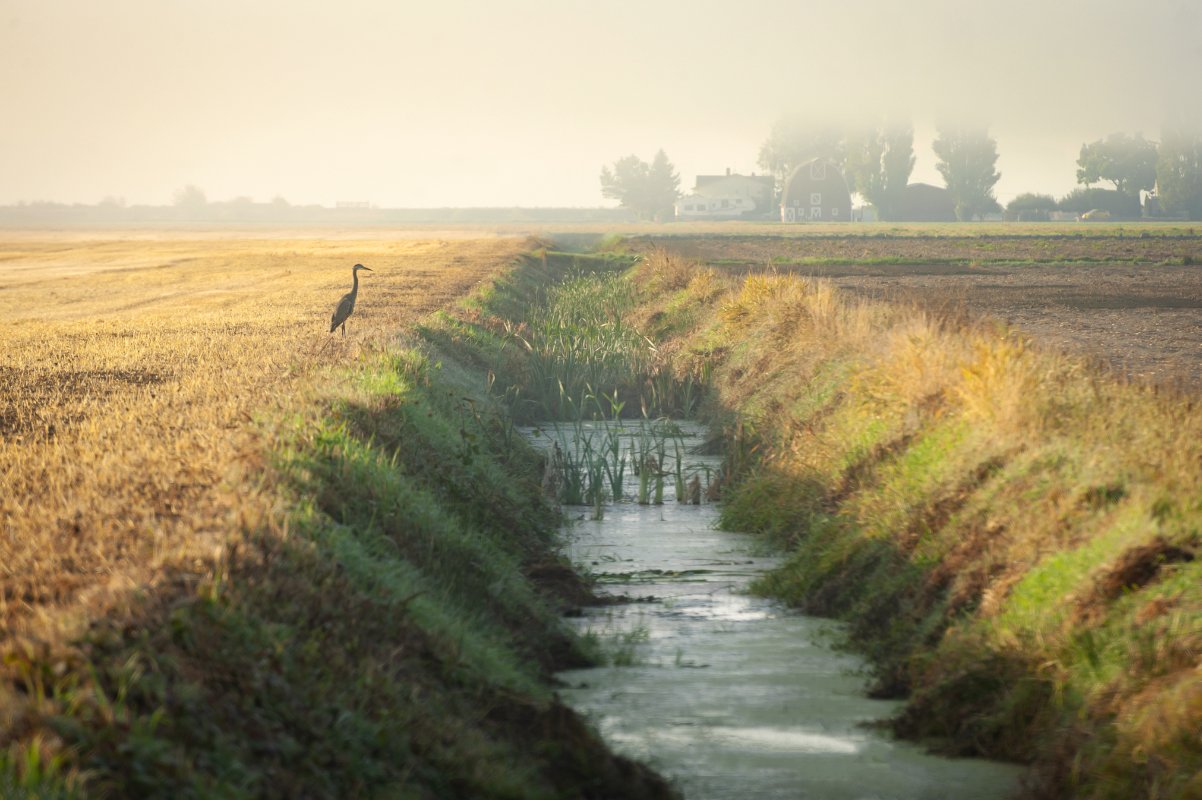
727,694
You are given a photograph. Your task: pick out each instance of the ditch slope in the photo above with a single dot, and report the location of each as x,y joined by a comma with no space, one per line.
1010,533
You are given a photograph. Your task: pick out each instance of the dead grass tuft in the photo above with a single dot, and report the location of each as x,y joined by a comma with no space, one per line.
662,270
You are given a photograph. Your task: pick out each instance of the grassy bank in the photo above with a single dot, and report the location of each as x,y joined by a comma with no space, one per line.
555,341
380,620
1011,535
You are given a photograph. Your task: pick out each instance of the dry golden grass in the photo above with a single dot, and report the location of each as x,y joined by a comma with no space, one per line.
134,375
1013,533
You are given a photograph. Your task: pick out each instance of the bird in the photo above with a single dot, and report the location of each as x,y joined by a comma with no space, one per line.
347,304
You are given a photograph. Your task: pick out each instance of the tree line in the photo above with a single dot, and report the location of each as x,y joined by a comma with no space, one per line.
877,161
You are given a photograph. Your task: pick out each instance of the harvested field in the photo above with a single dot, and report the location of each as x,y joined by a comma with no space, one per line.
134,373
1132,301
923,245
237,557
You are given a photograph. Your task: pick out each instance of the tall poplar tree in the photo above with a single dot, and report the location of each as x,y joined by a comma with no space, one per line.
966,161
1179,172
897,163
878,166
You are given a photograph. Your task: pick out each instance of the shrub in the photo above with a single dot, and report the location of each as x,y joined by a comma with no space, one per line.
1030,207
1118,204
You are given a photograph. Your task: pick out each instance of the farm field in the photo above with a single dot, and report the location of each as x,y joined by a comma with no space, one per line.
135,362
160,388
132,375
1131,297
236,553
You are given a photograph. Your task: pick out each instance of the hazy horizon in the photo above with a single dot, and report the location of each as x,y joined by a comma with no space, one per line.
520,103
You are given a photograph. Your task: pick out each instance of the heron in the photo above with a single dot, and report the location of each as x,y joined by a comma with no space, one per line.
347,304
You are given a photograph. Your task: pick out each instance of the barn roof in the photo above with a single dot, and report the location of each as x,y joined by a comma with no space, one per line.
803,175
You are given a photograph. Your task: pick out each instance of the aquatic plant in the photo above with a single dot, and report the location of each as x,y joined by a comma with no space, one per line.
593,459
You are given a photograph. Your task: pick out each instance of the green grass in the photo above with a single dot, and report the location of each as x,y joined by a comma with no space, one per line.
1011,536
557,340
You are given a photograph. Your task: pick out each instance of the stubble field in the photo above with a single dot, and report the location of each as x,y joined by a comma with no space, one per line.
136,375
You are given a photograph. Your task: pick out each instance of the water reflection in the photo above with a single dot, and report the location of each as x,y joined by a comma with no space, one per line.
732,695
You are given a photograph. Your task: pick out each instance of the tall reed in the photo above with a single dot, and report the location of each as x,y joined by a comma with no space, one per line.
584,360
592,462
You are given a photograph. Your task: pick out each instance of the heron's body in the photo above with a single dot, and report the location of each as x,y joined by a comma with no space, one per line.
347,304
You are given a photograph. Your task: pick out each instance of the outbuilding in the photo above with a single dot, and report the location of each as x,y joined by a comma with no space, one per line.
925,203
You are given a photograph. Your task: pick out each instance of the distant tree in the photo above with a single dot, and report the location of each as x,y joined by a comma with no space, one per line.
626,182
878,166
649,190
863,164
1179,172
190,197
1030,208
663,186
795,140
1129,162
897,163
966,161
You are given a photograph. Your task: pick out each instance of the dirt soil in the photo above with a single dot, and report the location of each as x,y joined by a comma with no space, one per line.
1120,299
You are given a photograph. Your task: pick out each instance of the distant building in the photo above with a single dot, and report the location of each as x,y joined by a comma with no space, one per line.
865,214
816,192
925,203
729,196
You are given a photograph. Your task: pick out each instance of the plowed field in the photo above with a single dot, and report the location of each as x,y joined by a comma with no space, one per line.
1132,301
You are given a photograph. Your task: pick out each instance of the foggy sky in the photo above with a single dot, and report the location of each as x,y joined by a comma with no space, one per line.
520,102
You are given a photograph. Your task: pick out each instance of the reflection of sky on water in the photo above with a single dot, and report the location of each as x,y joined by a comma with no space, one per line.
783,740
733,695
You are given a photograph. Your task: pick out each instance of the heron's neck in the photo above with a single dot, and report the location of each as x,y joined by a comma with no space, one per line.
355,287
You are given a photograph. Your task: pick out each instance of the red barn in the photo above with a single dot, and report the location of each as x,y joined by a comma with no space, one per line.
816,192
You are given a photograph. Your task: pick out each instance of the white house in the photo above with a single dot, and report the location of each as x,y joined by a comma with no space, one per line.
727,197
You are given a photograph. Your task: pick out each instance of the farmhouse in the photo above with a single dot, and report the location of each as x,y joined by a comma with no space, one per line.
816,192
727,197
